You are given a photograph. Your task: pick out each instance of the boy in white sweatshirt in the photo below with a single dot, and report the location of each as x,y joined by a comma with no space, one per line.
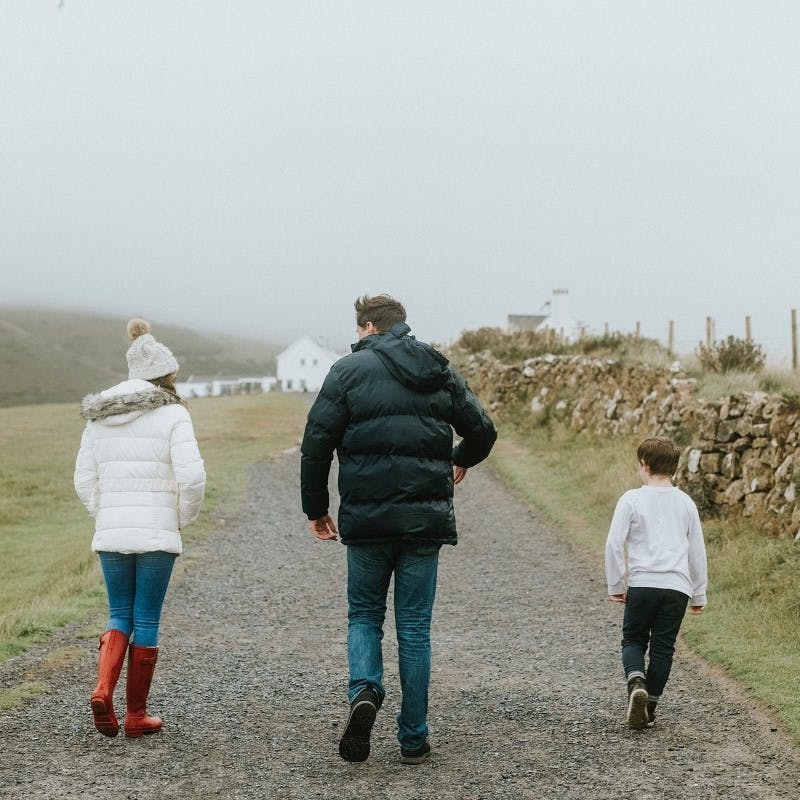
656,529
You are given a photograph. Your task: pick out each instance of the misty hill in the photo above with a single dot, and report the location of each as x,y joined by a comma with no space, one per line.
51,356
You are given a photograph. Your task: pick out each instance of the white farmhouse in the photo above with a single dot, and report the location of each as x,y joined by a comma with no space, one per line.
303,365
554,315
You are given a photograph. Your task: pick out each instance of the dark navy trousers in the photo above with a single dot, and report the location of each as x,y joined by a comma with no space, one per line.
652,620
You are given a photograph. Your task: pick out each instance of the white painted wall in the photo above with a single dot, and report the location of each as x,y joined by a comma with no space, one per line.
303,365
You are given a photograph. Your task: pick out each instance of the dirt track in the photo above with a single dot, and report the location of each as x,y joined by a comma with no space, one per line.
526,700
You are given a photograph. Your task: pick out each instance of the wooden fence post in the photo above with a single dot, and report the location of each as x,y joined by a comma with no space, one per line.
671,338
605,327
794,338
709,332
638,329
748,333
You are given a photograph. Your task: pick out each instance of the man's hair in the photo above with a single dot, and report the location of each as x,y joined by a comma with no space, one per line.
382,311
660,455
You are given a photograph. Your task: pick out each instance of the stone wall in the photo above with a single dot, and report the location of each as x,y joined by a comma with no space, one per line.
740,452
743,458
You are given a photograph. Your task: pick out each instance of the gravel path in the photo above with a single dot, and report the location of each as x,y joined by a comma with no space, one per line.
526,700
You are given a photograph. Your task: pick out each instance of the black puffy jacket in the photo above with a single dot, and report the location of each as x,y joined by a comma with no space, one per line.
389,410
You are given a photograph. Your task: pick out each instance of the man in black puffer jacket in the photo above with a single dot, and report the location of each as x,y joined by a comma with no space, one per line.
389,410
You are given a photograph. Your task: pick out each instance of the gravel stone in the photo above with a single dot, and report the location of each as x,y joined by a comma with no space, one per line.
527,695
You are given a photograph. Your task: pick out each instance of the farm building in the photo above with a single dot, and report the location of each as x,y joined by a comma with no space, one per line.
199,386
554,315
303,365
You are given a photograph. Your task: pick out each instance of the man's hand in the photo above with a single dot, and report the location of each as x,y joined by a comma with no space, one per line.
324,528
696,610
617,598
459,473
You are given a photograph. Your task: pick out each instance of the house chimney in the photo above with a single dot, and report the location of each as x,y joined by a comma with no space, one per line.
559,309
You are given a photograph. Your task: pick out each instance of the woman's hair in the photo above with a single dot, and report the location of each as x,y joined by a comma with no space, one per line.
167,383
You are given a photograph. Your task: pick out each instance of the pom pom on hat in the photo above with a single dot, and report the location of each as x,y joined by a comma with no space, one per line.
147,358
137,327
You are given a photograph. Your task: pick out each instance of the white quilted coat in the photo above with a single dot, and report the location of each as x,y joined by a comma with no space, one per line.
139,471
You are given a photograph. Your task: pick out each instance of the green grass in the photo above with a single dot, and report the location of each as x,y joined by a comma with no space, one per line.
751,623
236,432
773,380
48,574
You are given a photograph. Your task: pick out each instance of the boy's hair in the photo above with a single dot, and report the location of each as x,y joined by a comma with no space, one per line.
660,455
382,311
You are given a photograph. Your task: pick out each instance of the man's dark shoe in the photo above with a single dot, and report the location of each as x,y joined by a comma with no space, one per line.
415,756
354,744
651,711
636,716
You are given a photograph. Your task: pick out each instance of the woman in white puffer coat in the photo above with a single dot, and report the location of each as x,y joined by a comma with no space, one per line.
140,475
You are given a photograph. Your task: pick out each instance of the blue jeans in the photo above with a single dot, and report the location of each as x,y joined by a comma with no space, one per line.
652,619
369,569
136,584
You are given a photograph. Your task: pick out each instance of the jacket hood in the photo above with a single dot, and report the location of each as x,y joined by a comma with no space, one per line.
124,402
415,364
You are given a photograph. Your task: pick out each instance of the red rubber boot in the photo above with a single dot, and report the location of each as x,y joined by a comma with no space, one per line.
141,665
113,644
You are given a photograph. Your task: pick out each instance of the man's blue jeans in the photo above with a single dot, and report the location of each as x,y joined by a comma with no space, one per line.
369,569
136,584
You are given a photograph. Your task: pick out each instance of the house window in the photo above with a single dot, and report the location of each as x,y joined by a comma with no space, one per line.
302,362
314,362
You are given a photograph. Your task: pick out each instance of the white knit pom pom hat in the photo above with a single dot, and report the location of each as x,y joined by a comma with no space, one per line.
147,358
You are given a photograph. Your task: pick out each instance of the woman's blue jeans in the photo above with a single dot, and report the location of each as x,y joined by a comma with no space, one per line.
369,570
136,584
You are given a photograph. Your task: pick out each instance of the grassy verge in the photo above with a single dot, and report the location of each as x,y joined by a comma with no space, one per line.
235,432
751,623
47,572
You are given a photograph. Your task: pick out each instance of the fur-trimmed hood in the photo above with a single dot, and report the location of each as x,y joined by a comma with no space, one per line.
124,402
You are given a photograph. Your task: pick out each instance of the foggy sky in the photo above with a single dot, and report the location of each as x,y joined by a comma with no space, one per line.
253,166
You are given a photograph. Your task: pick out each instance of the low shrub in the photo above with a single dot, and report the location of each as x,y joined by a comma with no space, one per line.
516,346
731,355
510,348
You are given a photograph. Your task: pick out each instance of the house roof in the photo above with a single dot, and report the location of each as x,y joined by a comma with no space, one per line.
533,319
308,346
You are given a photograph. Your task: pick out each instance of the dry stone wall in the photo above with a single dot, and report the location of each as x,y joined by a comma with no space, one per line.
740,452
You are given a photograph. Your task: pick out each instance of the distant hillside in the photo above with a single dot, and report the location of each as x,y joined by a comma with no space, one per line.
55,356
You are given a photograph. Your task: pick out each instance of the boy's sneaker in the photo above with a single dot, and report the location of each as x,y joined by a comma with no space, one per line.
415,756
354,744
637,704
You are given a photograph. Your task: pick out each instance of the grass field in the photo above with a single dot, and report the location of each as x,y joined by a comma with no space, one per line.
750,625
48,574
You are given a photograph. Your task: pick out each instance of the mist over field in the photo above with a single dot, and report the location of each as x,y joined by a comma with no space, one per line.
252,169
51,357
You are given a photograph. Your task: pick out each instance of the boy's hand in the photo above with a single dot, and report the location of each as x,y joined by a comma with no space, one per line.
617,598
696,610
